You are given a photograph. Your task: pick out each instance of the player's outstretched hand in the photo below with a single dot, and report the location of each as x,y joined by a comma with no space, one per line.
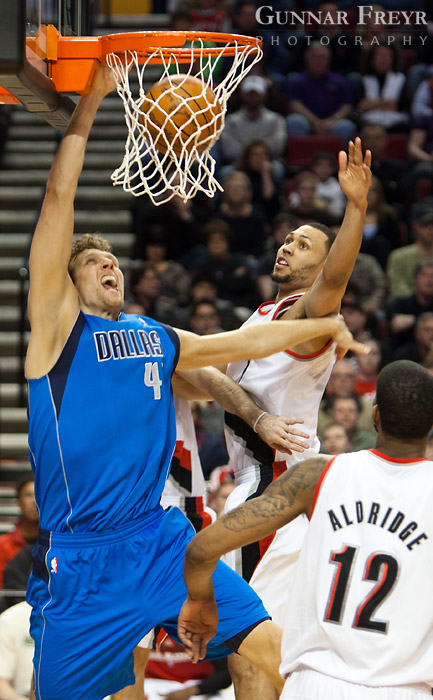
354,172
345,341
196,625
279,434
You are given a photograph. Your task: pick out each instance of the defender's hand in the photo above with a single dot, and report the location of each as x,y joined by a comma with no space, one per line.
354,172
278,433
197,624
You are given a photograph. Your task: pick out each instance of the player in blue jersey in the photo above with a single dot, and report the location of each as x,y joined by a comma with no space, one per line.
108,562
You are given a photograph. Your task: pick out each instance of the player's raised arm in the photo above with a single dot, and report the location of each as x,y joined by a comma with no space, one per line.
253,342
53,300
355,178
286,498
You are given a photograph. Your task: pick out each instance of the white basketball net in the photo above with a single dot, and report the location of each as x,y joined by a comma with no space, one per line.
188,170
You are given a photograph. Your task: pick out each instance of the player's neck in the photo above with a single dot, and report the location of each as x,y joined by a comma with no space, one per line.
401,449
288,290
107,314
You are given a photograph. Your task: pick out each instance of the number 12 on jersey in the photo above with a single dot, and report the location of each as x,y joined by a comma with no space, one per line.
379,567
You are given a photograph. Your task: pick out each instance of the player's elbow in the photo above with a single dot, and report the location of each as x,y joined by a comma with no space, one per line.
199,552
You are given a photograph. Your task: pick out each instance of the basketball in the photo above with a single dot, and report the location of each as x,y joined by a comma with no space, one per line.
185,110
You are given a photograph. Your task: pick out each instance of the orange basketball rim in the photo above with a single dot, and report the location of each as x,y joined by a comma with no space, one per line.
72,61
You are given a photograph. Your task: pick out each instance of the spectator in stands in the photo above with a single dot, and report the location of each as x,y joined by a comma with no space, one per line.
402,262
174,280
234,279
369,367
373,30
180,221
211,448
26,530
420,150
335,440
422,103
16,653
320,101
342,383
404,311
328,189
384,99
381,226
345,55
204,319
246,220
304,203
421,348
218,496
256,162
355,317
244,18
367,284
145,288
282,224
389,171
253,121
346,410
208,16
16,575
204,288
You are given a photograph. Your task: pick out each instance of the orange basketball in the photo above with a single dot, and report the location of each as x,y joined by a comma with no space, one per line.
187,112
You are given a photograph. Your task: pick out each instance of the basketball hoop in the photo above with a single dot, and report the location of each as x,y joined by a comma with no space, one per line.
165,162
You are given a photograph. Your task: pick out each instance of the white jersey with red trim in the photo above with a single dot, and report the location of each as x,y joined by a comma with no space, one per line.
185,487
361,608
284,384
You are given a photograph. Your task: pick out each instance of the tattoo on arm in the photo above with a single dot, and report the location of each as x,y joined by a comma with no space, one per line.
286,498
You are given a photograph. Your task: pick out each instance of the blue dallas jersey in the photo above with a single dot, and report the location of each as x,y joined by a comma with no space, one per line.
102,425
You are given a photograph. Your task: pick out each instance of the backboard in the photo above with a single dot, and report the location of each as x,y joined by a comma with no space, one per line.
23,70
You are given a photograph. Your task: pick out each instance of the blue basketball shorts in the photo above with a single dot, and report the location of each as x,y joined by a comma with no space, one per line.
95,595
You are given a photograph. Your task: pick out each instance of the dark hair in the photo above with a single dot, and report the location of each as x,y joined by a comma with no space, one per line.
243,163
284,217
23,481
199,277
208,302
217,226
367,67
404,396
354,397
329,233
421,265
323,155
137,272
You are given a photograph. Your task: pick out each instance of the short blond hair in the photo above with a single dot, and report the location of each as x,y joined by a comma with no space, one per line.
87,242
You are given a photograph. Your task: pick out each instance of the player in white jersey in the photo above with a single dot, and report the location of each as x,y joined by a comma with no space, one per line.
359,616
312,272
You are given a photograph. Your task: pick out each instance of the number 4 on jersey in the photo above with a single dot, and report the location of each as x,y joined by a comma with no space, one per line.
379,567
151,378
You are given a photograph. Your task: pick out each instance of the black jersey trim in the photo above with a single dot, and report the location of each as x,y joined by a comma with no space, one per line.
253,443
175,340
58,376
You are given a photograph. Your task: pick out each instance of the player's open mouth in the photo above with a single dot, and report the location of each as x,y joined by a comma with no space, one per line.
282,261
109,282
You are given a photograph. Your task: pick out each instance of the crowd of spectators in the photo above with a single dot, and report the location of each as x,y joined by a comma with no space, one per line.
319,91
